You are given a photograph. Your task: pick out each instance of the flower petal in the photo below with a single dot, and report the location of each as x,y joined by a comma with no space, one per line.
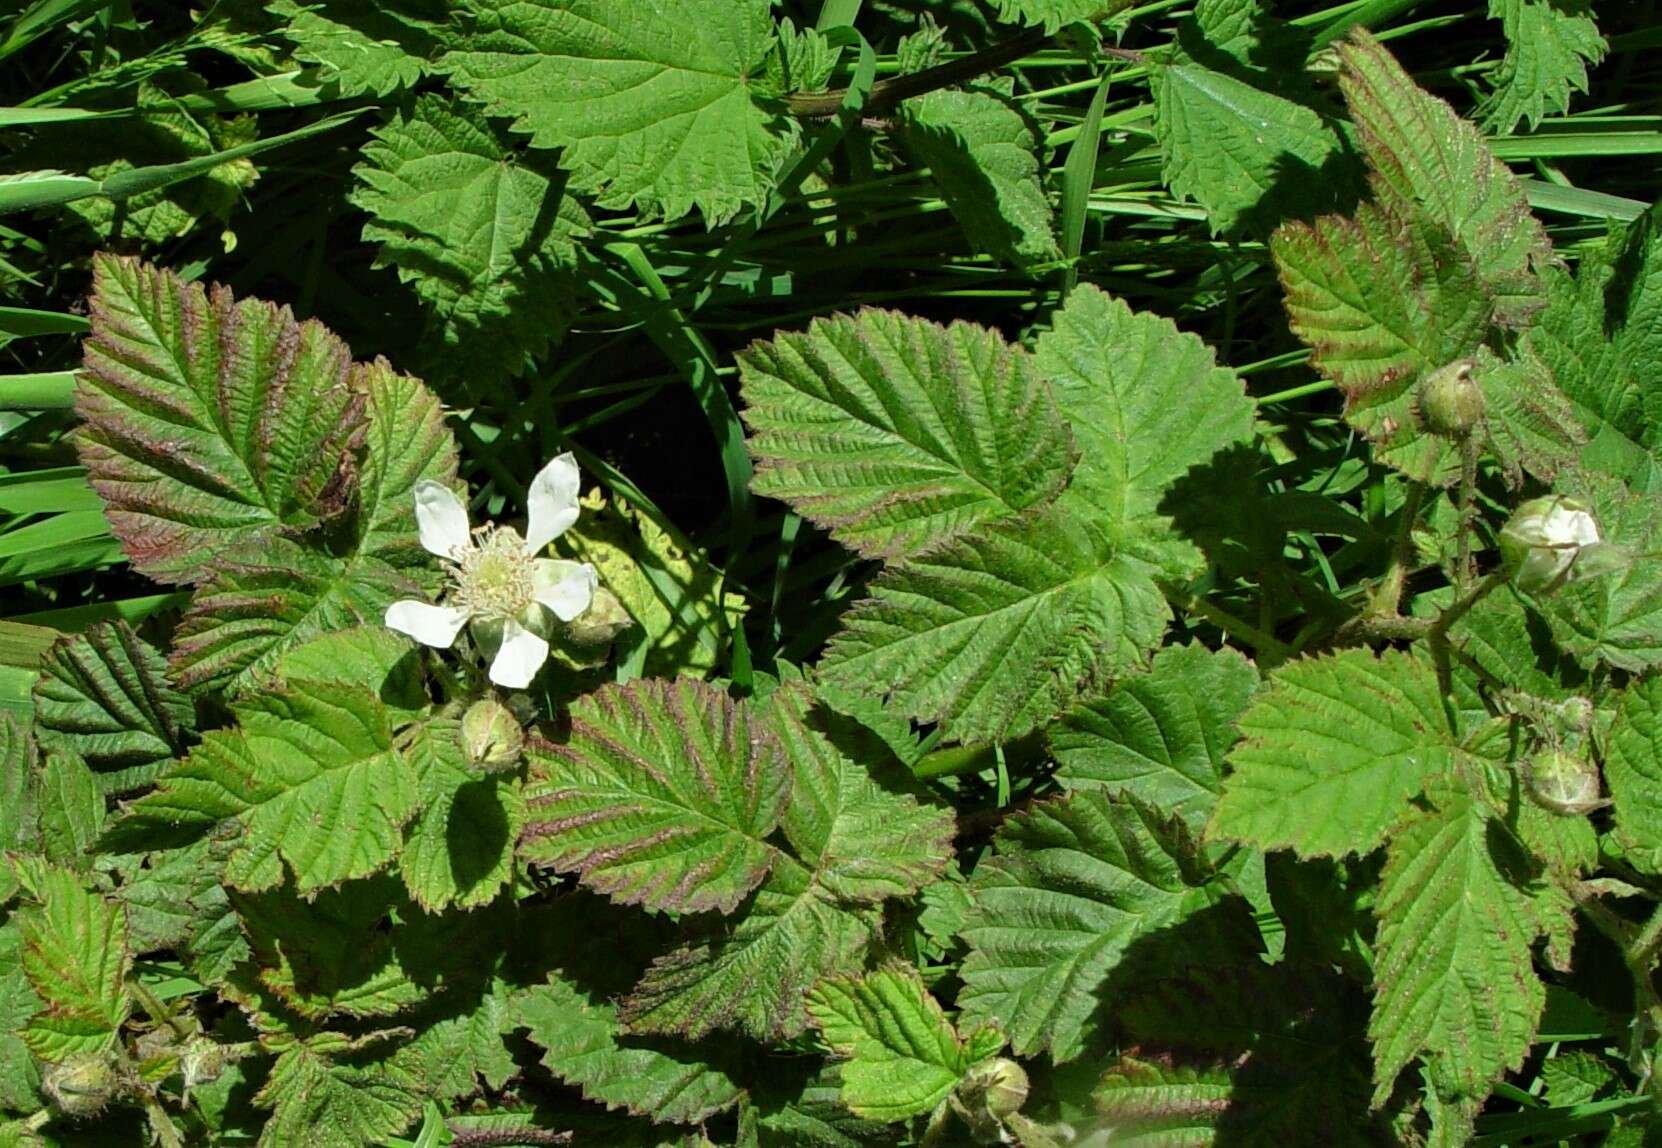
551,503
521,656
564,587
442,519
427,624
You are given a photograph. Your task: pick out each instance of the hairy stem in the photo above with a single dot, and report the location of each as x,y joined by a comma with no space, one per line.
885,94
505,1137
1265,645
1468,513
1387,597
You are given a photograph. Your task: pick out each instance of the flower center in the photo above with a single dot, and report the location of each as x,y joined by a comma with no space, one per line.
493,579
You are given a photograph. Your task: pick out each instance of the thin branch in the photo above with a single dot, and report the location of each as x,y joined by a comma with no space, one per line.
885,94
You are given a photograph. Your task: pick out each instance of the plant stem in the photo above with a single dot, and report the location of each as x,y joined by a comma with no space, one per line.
504,1137
1388,595
885,94
1468,513
1265,644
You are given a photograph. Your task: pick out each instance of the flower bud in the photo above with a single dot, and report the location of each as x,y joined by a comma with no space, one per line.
202,1061
603,621
81,1086
1543,540
1562,783
492,737
1450,401
989,1095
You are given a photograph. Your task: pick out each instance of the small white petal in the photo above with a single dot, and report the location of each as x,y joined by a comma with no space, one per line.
564,587
442,519
551,503
429,625
521,656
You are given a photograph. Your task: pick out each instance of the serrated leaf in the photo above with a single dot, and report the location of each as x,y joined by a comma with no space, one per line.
479,229
904,1057
980,149
1633,771
1146,403
74,952
1617,617
996,632
662,794
312,778
579,1037
19,1071
1531,426
654,104
334,1101
1248,156
1576,1076
359,49
1076,881
1455,981
813,1116
242,622
104,695
207,422
1549,44
1154,1104
383,661
451,1055
894,433
19,827
1160,736
165,892
459,850
1331,752
1052,14
1381,302
864,836
753,977
1430,164
71,810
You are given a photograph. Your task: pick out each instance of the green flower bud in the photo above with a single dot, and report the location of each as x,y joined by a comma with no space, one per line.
492,737
988,1096
602,622
1450,402
202,1061
1562,783
1544,540
81,1086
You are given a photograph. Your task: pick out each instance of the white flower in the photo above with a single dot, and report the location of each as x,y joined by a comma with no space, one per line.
1545,537
497,581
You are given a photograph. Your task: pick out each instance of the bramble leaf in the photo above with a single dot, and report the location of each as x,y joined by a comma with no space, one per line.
381,660
1331,752
19,1072
71,810
1616,617
459,850
904,1057
209,423
104,695
1549,44
362,49
75,955
322,1095
1458,915
1076,881
654,105
997,631
894,433
1159,1104
579,1037
482,232
1159,736
1052,14
980,149
19,812
311,775
663,794
1633,771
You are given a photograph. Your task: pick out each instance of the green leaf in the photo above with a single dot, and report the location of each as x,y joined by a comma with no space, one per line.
894,433
165,891
1154,1104
1429,164
1159,736
1146,403
904,1057
104,695
579,1037
453,1054
1052,14
1458,915
980,149
1531,425
865,836
381,660
19,811
311,776
459,850
1076,881
359,49
1248,156
1617,617
286,594
654,106
1549,44
1331,752
19,1072
1633,771
753,976
663,794
71,810
998,631
75,956
481,231
322,1096
208,423
1382,302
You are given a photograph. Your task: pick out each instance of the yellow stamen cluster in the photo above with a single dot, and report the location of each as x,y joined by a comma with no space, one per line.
493,580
